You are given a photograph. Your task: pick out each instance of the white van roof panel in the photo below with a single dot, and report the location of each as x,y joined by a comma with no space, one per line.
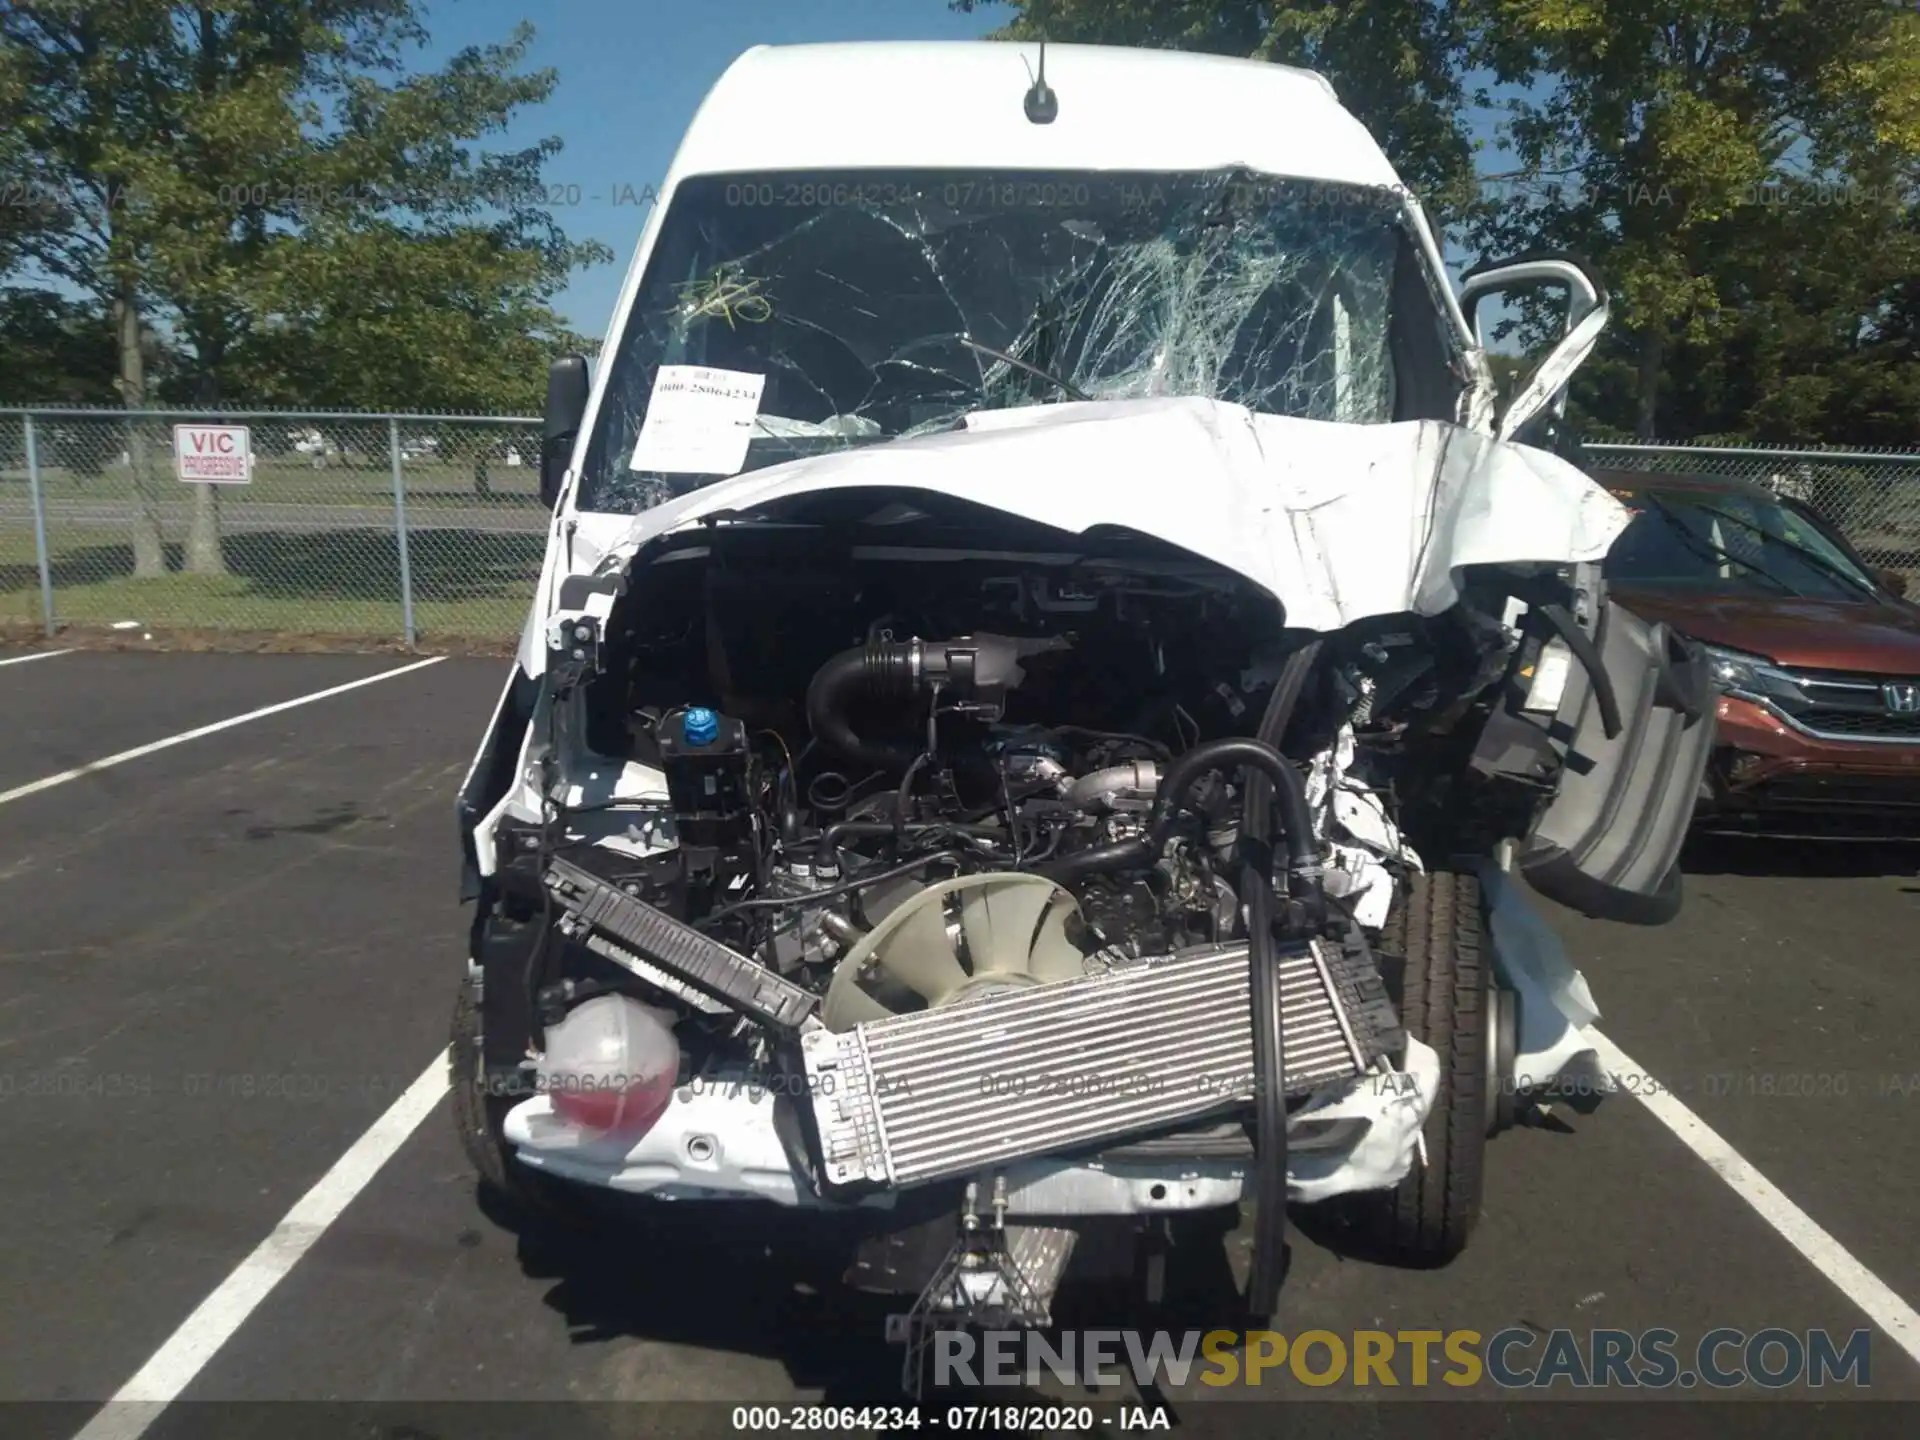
958,104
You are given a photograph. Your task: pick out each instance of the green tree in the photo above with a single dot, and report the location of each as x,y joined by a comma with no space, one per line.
1739,169
423,271
55,351
246,173
370,310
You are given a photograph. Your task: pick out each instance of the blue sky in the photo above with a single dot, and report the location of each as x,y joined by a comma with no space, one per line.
632,73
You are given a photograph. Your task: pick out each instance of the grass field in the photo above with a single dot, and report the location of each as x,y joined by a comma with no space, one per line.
467,584
359,480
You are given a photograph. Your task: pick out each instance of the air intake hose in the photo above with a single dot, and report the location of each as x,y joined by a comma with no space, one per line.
976,670
884,670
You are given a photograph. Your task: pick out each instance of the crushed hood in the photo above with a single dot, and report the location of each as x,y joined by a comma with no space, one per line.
1338,521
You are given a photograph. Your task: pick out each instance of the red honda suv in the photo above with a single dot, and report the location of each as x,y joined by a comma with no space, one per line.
1816,655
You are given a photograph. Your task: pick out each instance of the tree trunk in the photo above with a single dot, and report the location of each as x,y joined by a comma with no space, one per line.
1653,350
149,550
203,555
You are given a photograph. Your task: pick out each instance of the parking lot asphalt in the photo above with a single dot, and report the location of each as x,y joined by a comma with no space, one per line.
222,961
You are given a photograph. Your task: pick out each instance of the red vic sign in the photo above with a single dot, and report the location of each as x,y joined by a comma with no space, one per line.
213,454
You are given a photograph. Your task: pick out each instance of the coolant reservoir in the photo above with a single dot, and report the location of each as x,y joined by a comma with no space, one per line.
611,1065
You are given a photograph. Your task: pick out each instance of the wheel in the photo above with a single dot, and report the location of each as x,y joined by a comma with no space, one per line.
1503,1045
480,1117
1434,952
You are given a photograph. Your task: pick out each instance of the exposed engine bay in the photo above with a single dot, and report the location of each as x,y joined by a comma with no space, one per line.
1048,884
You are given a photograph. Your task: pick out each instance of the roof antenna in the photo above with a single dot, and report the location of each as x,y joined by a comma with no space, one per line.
1042,104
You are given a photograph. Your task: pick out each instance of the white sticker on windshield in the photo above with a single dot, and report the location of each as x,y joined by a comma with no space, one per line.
698,421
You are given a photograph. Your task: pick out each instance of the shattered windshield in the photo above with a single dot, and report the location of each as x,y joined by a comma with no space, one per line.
789,314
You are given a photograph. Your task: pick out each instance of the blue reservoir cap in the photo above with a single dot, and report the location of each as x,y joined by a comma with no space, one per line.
700,725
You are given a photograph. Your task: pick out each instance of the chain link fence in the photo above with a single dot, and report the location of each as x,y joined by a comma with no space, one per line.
1871,497
428,528
418,527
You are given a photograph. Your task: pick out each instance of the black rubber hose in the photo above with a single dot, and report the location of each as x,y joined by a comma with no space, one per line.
836,834
1274,720
1305,864
1099,860
1286,694
883,670
1588,654
1267,1266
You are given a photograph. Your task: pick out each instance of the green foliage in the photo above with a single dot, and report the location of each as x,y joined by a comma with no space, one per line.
55,351
271,187
1742,171
382,315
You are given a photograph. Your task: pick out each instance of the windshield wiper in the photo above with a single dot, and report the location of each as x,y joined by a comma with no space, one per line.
1705,549
1067,388
1819,562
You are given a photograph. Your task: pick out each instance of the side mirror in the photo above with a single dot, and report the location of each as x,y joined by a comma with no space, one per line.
560,425
1586,319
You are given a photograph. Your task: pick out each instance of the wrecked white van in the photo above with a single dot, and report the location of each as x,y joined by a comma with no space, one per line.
1052,680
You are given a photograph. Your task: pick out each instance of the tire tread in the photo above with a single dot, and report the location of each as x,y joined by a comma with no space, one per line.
1437,934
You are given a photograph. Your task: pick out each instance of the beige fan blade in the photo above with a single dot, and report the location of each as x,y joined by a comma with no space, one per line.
911,947
999,922
1054,956
1015,930
918,953
847,1005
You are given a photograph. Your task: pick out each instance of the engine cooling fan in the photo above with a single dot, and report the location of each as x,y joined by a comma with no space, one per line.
1012,933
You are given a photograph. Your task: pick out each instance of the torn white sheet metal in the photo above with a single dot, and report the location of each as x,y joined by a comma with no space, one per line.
1339,522
1395,1108
1551,1049
1358,833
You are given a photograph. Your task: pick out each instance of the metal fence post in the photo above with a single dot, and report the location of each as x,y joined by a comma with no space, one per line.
400,528
39,524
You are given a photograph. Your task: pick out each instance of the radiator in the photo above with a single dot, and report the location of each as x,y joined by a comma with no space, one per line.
949,1091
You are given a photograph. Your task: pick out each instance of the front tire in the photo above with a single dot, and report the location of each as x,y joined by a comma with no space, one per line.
1434,954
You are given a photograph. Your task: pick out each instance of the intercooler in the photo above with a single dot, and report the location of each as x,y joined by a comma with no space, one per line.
1146,1044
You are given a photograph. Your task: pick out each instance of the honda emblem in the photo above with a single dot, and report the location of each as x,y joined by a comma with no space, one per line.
1903,697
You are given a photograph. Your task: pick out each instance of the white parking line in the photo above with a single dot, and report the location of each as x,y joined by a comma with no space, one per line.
95,766
1789,1221
140,1401
37,655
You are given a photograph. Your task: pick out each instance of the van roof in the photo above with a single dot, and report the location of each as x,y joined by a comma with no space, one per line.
957,104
